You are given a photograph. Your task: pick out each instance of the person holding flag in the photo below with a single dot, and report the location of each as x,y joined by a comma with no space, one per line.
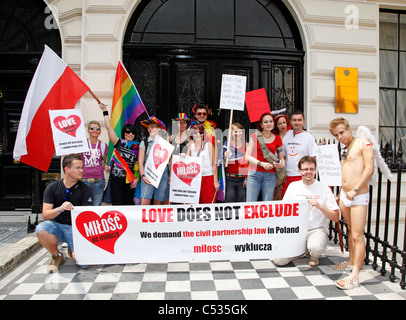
123,178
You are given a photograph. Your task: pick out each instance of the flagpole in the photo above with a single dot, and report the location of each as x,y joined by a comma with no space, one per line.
94,96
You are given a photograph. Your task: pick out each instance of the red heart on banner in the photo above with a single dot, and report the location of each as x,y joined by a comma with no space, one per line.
159,155
102,231
68,125
186,172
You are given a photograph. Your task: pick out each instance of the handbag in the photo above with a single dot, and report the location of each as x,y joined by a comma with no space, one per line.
271,158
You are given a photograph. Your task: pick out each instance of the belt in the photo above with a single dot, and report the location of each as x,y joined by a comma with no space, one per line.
92,180
235,175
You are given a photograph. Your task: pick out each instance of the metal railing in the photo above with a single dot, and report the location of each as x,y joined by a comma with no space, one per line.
381,251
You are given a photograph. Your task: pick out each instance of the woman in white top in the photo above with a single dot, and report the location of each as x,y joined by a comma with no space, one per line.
203,147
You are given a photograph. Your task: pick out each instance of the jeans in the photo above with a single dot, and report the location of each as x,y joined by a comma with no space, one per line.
260,181
97,190
235,191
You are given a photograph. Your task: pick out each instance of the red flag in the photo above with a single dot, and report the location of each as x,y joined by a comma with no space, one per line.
54,86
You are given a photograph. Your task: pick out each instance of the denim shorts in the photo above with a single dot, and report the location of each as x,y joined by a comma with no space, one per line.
63,232
161,193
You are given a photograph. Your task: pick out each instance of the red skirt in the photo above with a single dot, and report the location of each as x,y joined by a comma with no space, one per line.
207,191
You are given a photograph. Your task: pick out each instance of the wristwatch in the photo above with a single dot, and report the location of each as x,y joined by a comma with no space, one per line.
259,163
355,189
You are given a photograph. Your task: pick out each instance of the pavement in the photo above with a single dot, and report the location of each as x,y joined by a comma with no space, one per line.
23,276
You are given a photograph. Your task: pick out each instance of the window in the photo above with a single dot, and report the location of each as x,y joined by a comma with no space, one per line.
392,105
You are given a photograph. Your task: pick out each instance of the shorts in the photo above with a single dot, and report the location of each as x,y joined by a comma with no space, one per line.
63,232
161,193
359,200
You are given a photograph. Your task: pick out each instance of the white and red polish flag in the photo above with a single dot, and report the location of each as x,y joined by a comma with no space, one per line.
54,86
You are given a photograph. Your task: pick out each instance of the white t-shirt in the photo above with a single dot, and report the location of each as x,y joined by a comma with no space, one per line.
295,147
299,191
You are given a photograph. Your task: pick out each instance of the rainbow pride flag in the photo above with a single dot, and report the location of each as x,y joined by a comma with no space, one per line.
127,104
120,162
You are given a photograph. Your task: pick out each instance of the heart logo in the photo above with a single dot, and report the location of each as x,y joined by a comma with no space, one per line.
102,231
159,155
68,125
186,172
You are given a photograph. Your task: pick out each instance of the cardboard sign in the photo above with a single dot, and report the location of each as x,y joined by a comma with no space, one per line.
233,92
328,165
257,104
68,131
205,232
186,179
157,160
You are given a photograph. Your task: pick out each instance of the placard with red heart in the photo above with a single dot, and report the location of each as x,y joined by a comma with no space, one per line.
68,125
159,155
102,231
186,172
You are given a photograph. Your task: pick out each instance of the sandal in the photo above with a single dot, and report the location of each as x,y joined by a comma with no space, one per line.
343,266
347,283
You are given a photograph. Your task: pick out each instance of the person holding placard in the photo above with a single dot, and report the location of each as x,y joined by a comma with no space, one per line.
297,143
323,208
123,176
237,166
94,162
203,147
262,173
154,127
60,197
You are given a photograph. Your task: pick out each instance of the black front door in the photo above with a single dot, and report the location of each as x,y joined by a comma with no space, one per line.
16,179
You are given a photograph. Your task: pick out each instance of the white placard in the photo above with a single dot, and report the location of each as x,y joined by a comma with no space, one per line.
157,161
233,92
328,164
68,131
186,179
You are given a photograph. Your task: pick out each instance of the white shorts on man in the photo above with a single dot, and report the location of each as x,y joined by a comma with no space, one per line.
318,223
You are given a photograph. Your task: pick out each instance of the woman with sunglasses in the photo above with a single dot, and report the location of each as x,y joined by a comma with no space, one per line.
123,193
94,162
203,147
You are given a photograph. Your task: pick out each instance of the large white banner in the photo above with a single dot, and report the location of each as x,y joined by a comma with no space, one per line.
68,131
186,179
229,231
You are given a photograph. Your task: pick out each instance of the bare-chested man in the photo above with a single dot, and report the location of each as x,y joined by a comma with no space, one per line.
357,169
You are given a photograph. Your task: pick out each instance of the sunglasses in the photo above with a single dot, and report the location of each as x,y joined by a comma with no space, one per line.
344,154
129,132
194,132
201,113
94,128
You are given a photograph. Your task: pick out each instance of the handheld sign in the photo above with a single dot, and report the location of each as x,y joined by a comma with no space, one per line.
328,165
157,160
257,104
68,131
233,92
186,178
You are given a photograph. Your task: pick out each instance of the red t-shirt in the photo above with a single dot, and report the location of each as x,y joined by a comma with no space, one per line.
257,152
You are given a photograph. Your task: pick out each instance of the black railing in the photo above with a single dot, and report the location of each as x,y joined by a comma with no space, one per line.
383,249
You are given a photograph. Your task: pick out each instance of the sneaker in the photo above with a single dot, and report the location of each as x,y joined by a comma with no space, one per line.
57,260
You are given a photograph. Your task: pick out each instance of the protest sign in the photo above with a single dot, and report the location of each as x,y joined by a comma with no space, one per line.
257,104
186,179
68,131
328,164
233,92
228,231
157,161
